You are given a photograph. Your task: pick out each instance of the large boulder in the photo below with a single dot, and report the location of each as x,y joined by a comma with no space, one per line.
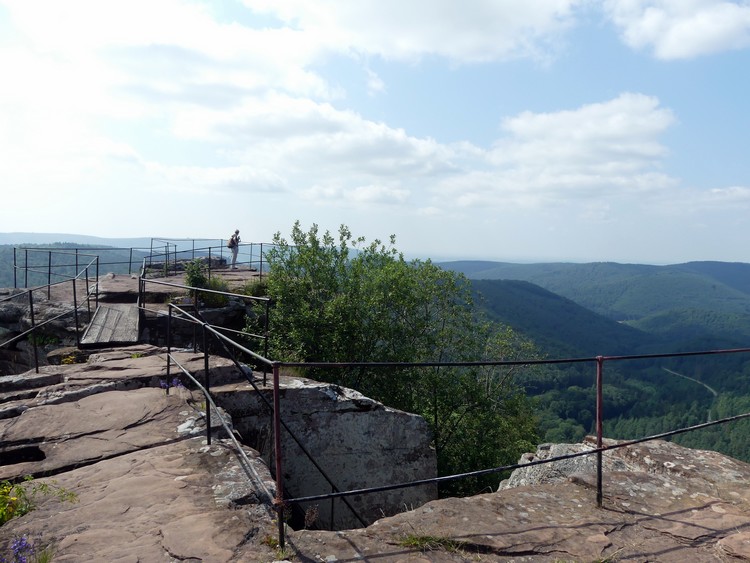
355,441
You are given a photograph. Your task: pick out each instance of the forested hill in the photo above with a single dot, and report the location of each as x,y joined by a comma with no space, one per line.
698,304
559,325
605,309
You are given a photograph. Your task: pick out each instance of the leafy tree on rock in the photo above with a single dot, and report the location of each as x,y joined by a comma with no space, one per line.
347,301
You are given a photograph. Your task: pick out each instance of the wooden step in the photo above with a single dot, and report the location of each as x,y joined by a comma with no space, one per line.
113,324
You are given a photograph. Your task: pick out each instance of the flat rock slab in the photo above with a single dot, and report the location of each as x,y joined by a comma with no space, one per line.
95,427
174,502
662,502
551,523
119,369
149,489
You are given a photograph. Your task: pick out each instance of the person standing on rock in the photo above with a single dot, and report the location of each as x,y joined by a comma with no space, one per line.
233,244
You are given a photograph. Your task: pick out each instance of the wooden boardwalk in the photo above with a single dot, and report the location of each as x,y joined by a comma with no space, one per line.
118,324
113,324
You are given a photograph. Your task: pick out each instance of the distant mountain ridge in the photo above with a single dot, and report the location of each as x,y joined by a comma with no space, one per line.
584,310
623,307
698,304
52,238
556,323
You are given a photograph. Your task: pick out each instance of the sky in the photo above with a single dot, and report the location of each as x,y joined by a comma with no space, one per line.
509,130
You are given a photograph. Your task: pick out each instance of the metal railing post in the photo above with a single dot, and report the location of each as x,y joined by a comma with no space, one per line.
261,261
169,341
15,270
26,268
49,274
75,312
33,333
207,385
96,282
195,328
599,415
279,502
265,342
86,292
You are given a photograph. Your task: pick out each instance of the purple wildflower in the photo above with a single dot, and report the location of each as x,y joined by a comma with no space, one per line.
22,549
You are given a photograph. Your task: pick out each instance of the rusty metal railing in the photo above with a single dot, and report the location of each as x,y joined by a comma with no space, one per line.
91,292
167,256
171,255
599,361
274,407
280,426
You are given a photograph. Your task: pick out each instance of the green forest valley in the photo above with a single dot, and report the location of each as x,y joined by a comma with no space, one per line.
340,298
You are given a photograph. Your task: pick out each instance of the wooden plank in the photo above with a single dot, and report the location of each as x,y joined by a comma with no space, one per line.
113,323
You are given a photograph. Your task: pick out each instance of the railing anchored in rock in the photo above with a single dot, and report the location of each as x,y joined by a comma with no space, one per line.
281,503
80,285
230,347
37,265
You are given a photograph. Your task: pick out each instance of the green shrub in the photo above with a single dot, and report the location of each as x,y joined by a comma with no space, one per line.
214,299
195,274
43,339
20,498
255,288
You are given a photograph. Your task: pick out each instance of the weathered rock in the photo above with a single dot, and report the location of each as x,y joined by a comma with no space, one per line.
166,502
90,429
149,488
671,504
56,326
11,313
88,417
171,502
67,354
356,441
663,459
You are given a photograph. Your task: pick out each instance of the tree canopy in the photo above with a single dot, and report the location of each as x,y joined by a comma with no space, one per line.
345,300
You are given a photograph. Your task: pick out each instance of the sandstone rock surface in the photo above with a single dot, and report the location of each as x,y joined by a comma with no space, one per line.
662,502
150,488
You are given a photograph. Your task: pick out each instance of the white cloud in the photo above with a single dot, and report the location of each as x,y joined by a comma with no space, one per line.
308,139
374,84
216,180
620,135
682,29
378,194
430,212
171,104
357,195
485,30
596,152
732,196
